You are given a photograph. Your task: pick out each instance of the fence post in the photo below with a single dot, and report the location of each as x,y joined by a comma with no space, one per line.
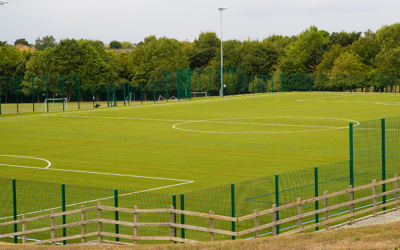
277,200
53,224
274,227
395,87
174,204
154,91
253,84
100,224
396,195
327,211
337,83
211,226
380,83
93,97
130,96
47,93
182,215
62,84
83,213
24,229
323,83
199,83
116,213
171,219
310,81
209,78
243,78
233,207
64,219
16,88
316,195
141,92
272,82
177,85
374,195
33,96
166,85
256,223
123,84
79,95
365,83
351,82
190,83
383,160
297,85
14,187
262,83
351,155
299,220
135,228
233,81
352,204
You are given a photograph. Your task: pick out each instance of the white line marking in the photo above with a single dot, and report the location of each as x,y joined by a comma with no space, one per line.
49,163
275,132
318,98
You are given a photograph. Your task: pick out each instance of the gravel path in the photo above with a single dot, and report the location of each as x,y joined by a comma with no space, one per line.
380,219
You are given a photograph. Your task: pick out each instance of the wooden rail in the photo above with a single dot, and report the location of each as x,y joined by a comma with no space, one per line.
272,212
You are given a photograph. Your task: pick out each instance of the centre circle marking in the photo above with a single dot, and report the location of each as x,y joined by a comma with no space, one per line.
324,128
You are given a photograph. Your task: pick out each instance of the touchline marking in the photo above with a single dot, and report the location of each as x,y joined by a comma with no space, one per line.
89,172
275,132
120,118
345,95
105,198
49,163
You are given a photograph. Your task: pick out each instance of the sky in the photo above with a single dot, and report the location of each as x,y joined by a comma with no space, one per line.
133,20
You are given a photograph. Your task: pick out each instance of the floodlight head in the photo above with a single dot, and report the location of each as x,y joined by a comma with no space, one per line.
222,8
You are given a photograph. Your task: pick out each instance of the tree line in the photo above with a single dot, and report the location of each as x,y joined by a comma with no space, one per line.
311,51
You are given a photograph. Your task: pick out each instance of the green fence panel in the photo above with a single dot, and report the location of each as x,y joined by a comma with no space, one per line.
8,90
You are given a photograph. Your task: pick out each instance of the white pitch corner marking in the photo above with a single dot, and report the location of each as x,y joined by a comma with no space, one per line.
20,156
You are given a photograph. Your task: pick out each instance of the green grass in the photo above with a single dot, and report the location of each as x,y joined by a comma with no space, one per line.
140,140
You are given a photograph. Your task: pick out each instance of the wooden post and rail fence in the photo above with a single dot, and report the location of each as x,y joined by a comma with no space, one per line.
272,212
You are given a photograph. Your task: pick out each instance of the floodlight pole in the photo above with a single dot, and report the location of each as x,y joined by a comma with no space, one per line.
222,58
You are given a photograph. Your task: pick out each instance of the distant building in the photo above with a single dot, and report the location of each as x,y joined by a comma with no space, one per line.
24,47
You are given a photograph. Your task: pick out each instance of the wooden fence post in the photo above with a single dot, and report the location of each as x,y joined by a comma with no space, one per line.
299,220
327,211
256,222
24,229
211,227
274,220
172,220
396,195
351,205
83,224
374,195
53,231
135,228
100,225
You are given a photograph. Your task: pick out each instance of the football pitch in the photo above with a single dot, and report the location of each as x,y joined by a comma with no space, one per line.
183,146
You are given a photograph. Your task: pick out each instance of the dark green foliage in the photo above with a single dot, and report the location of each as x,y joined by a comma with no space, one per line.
21,41
45,42
115,45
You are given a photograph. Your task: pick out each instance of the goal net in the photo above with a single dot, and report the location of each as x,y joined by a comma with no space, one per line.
54,104
130,97
198,94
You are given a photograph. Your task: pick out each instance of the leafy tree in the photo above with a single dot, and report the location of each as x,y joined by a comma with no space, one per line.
342,38
329,58
115,45
45,42
21,41
298,55
3,43
366,48
126,45
388,61
12,61
162,53
204,49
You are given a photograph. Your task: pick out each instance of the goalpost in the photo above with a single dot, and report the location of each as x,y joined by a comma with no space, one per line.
57,104
199,94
